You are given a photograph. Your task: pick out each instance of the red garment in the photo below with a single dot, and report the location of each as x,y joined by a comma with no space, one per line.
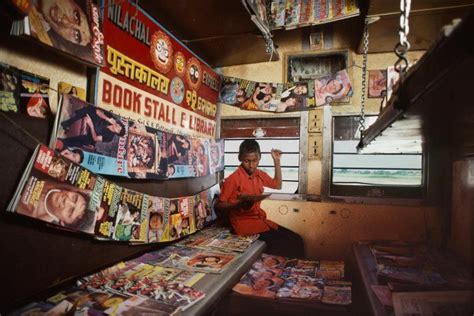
254,220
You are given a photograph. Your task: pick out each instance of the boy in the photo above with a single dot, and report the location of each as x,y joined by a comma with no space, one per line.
246,217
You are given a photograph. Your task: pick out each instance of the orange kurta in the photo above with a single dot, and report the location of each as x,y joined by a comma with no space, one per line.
254,220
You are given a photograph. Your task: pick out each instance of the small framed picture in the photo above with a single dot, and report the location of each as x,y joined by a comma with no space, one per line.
316,41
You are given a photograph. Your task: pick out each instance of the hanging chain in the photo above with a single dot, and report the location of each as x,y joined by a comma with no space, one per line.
364,78
403,45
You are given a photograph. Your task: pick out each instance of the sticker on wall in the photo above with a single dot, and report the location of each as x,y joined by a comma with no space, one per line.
177,90
161,52
179,64
194,73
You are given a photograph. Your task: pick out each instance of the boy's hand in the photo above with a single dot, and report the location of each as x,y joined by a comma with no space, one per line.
276,154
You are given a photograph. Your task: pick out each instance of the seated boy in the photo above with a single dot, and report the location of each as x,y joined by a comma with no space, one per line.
246,217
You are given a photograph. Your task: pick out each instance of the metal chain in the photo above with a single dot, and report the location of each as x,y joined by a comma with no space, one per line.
364,78
403,45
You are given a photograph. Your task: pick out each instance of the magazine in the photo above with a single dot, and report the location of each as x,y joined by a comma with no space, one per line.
57,191
258,284
301,287
80,37
94,138
338,293
137,305
158,228
9,88
377,83
433,303
67,88
331,270
34,95
332,87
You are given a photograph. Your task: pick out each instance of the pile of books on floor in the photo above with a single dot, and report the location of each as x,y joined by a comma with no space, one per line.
416,267
276,277
160,282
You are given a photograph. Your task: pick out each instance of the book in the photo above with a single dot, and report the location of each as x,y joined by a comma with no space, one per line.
253,197
73,28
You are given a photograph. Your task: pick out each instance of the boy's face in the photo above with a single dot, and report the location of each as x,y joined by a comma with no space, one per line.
250,162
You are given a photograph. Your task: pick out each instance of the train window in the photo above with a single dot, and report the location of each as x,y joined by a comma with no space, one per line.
395,173
281,133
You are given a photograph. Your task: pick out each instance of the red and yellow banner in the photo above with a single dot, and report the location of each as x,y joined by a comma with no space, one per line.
151,77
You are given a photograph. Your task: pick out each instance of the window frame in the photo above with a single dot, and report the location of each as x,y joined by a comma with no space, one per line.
396,195
303,147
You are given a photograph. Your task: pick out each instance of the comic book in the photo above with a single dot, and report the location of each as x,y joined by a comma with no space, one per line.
34,95
9,88
55,190
67,88
332,87
94,138
81,39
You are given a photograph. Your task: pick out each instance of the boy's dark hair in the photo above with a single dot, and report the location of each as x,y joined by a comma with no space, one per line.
249,146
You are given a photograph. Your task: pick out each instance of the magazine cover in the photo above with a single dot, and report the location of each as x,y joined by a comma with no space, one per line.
259,283
73,27
301,287
67,88
235,91
34,97
105,224
392,78
55,190
298,96
332,270
277,9
137,305
377,83
202,210
216,155
9,88
209,262
132,216
337,293
158,228
265,97
200,156
94,138
332,87
179,156
146,155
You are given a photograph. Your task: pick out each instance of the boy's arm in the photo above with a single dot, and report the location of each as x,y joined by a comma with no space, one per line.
276,155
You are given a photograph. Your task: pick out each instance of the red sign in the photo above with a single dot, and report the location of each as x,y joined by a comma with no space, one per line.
149,76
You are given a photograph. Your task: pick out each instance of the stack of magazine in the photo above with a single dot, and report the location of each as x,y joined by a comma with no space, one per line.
276,277
71,27
106,143
58,191
291,14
